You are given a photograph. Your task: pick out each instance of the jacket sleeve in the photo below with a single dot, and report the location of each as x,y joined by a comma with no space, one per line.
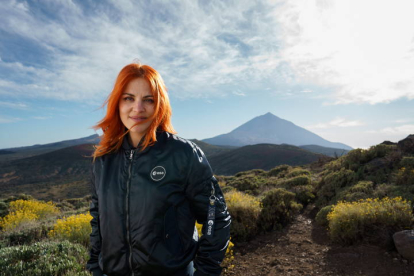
95,236
200,183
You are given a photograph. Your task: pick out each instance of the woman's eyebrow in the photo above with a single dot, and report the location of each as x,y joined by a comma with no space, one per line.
147,96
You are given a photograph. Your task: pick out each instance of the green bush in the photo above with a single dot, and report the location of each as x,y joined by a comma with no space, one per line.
278,208
251,172
405,176
30,233
322,216
247,183
227,189
244,210
19,196
44,259
301,180
369,220
297,172
279,171
4,209
361,190
407,162
303,194
332,183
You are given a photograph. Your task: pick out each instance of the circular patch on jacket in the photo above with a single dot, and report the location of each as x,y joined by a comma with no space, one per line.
158,173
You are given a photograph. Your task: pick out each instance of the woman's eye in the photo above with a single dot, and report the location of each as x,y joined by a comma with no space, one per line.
128,99
149,100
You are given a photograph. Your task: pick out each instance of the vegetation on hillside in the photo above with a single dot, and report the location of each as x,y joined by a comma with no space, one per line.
365,195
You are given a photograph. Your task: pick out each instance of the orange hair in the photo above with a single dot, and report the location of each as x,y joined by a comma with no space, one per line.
112,126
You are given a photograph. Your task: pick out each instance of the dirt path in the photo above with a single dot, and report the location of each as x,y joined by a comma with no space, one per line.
303,248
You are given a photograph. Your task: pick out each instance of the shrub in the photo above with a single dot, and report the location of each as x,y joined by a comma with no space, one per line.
297,172
249,184
405,176
332,183
254,172
303,194
322,216
4,209
75,228
44,258
78,202
361,190
244,210
407,162
278,208
19,196
28,233
227,189
301,180
372,220
279,171
24,211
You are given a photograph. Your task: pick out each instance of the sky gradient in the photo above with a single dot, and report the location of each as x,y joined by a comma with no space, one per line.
341,69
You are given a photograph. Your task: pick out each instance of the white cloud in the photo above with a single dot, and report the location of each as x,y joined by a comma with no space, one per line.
41,117
238,93
197,47
207,49
395,131
13,105
361,49
5,120
337,122
401,121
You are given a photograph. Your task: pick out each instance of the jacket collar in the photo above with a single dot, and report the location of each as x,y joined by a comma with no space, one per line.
127,146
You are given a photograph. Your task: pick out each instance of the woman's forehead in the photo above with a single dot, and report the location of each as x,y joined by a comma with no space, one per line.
138,86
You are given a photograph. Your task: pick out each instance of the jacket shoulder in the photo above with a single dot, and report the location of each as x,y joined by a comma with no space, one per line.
178,143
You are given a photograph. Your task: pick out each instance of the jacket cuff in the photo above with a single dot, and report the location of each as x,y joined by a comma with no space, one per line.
97,272
199,273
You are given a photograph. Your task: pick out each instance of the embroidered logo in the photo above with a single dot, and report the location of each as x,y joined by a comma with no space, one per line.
158,173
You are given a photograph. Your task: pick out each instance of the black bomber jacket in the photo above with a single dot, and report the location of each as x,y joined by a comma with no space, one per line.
144,208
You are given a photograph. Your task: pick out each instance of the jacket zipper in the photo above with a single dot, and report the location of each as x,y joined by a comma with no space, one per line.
127,212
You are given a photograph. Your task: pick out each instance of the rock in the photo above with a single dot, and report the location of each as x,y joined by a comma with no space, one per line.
407,145
404,242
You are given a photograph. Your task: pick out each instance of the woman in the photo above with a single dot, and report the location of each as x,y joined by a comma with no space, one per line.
149,186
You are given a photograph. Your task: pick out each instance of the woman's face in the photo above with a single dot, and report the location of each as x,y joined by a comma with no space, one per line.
136,105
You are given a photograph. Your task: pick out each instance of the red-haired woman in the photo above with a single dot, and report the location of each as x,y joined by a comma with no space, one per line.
149,187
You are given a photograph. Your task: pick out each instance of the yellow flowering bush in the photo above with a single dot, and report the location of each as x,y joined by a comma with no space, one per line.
353,221
245,210
25,211
75,228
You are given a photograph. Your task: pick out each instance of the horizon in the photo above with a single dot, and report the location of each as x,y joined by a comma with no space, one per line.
337,69
190,138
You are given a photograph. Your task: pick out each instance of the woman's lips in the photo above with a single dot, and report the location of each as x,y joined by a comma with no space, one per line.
138,119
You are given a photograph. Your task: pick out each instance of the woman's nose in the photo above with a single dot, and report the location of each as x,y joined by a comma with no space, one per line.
138,106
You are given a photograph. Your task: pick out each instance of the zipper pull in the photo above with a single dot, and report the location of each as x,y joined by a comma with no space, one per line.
130,156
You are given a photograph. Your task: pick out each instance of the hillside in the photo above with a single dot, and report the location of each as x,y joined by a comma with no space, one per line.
10,154
261,156
65,172
278,218
58,174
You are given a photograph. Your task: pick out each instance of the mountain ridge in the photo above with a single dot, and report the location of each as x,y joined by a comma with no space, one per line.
270,129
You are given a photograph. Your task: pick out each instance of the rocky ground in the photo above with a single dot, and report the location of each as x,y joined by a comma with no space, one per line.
303,248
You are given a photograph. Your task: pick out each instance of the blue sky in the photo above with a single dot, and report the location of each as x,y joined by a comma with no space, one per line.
341,69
